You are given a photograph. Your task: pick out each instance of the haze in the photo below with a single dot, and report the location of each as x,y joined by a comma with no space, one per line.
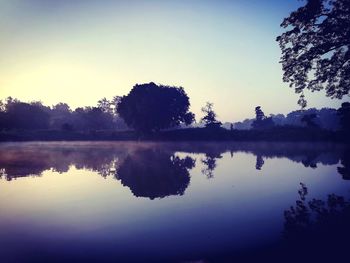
80,51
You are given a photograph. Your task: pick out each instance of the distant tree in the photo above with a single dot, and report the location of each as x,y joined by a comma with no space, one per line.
61,117
259,114
309,120
20,115
344,115
150,107
261,121
209,118
316,48
105,105
92,118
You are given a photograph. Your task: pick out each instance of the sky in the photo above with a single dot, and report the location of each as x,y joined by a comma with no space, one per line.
79,51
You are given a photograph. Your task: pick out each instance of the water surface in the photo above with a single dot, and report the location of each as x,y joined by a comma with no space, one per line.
163,202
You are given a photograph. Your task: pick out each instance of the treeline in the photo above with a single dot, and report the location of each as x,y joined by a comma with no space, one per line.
150,108
15,114
325,118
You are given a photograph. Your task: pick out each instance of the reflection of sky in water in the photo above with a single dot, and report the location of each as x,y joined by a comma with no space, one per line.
78,210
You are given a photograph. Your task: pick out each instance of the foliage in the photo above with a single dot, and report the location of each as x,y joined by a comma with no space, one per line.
150,107
316,48
344,115
20,115
309,120
209,118
261,121
15,114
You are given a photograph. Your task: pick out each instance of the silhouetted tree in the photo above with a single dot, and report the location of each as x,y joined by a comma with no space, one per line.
92,118
309,120
150,107
316,48
21,115
344,115
61,117
261,121
105,105
209,118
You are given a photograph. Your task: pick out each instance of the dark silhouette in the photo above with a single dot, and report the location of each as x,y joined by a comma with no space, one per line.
150,107
261,121
210,163
344,116
209,118
345,162
24,116
318,228
259,162
315,48
155,173
33,121
326,119
18,160
309,120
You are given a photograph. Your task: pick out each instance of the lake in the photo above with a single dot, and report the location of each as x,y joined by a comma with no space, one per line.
172,202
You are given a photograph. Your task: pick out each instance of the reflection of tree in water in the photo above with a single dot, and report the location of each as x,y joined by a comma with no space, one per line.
345,161
210,163
155,173
316,224
20,160
35,159
259,162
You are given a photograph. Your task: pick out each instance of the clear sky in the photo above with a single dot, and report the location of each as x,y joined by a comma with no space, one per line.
78,51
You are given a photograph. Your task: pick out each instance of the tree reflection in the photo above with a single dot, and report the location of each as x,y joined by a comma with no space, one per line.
210,163
155,173
345,161
20,160
316,225
259,162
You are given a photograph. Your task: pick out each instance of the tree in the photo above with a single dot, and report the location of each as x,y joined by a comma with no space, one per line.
261,121
105,105
344,115
209,118
92,118
61,117
20,115
309,120
316,48
259,114
150,107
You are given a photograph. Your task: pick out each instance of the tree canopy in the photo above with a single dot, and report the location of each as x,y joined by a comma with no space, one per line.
209,118
316,48
151,107
261,121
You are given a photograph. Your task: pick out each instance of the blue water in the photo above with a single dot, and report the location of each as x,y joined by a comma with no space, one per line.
158,202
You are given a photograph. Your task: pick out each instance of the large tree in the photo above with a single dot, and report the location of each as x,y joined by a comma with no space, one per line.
316,48
150,107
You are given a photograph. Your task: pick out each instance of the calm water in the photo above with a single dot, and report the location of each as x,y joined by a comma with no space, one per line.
166,202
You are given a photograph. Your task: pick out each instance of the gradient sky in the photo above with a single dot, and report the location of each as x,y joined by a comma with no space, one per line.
79,51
